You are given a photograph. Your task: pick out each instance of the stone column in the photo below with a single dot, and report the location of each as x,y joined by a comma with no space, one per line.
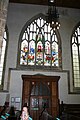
3,16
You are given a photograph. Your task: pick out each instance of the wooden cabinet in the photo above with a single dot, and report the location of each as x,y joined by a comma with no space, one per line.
38,89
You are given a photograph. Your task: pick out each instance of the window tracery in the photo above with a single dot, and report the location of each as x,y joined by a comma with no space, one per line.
40,45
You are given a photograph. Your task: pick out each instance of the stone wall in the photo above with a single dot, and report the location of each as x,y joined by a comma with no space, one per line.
3,16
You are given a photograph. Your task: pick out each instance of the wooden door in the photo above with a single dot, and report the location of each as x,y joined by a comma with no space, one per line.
38,90
39,96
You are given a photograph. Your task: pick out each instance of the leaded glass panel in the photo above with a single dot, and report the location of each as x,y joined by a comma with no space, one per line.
3,50
47,54
31,55
24,52
78,30
76,56
54,54
40,45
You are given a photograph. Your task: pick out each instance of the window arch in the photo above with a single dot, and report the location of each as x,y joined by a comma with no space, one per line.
75,49
39,44
3,55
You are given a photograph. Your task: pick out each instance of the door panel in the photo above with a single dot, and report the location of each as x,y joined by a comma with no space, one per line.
38,90
40,95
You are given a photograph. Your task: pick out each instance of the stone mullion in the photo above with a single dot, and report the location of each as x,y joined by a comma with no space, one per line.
3,16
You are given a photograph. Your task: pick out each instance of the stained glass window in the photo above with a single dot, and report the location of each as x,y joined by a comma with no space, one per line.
40,44
76,57
3,53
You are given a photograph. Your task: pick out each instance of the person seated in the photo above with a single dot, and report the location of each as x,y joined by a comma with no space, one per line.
25,113
4,112
17,114
12,114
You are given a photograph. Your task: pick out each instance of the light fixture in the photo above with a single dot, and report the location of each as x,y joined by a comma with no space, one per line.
52,16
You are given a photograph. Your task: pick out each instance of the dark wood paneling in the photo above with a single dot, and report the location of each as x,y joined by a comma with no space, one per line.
71,109
54,100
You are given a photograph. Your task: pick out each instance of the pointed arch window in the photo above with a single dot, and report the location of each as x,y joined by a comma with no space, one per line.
75,45
39,44
3,55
